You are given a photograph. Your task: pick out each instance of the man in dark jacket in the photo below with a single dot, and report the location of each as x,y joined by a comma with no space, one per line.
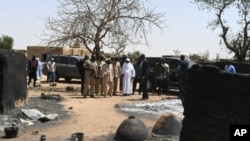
81,72
183,76
137,79
144,76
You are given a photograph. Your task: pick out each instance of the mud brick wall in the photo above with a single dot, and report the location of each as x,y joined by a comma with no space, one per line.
213,101
13,84
40,51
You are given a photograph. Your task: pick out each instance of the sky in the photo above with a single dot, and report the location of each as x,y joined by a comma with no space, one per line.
186,29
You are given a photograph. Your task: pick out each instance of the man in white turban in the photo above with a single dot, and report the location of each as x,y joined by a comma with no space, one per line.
128,73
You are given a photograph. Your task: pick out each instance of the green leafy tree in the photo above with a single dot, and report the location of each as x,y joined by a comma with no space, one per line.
133,55
195,57
97,23
6,42
237,43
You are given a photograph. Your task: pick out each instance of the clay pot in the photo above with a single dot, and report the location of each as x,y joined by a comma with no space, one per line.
11,132
78,135
132,129
168,124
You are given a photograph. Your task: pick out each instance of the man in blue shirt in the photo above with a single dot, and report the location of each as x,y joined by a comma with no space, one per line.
230,68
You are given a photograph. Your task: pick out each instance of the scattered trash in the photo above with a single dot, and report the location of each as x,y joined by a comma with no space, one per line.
26,121
48,117
69,88
33,113
35,133
51,96
37,115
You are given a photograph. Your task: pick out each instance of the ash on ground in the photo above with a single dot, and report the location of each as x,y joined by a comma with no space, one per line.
154,110
46,104
49,104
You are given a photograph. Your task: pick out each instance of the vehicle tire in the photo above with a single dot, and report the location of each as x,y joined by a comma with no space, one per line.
67,79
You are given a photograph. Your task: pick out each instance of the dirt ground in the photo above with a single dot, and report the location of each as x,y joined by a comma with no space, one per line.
96,117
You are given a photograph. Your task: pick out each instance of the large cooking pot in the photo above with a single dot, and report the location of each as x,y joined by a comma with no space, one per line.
11,132
132,129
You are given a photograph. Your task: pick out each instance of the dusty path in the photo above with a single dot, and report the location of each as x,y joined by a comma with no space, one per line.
96,117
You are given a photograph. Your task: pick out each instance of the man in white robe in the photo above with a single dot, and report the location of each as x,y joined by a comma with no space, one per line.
128,73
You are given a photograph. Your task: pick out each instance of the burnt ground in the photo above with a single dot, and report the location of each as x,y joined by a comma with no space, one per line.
49,104
46,105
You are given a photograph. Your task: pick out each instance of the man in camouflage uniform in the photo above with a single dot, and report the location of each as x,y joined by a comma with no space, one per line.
90,72
93,77
117,73
108,77
99,77
161,75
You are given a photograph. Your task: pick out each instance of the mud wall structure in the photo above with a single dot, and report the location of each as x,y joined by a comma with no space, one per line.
42,51
13,84
214,100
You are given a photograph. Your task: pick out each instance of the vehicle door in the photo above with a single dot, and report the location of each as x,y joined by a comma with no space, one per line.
73,71
174,65
61,65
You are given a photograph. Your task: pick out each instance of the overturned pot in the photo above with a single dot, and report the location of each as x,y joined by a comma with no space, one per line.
132,129
11,132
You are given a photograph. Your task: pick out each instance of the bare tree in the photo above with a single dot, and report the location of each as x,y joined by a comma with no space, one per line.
119,46
176,52
238,43
98,23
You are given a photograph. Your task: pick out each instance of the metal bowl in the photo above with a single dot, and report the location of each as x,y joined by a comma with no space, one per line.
11,132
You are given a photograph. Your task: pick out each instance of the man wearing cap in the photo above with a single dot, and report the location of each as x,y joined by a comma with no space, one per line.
51,66
128,73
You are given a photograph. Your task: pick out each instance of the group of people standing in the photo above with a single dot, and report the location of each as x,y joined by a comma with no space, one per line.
161,76
101,76
35,68
136,73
